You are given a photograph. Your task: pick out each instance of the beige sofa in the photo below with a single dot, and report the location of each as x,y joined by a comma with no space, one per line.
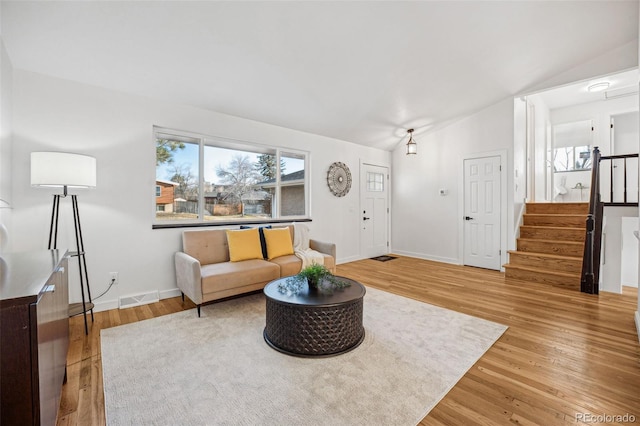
204,272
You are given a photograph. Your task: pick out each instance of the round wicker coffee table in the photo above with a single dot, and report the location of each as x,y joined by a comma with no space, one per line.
314,324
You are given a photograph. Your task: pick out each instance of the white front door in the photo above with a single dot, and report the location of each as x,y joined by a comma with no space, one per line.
374,218
482,212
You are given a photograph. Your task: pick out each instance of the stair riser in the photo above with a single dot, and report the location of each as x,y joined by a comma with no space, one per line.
558,208
557,220
549,264
542,233
559,247
546,278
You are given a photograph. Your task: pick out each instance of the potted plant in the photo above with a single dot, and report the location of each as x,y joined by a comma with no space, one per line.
316,277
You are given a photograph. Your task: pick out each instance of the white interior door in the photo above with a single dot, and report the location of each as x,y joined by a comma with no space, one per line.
482,222
374,218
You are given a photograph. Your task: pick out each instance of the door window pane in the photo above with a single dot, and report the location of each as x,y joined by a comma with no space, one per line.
375,182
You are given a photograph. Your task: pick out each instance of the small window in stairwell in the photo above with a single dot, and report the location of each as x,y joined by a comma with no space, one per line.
572,146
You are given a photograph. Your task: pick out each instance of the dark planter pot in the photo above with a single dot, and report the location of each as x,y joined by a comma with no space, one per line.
313,285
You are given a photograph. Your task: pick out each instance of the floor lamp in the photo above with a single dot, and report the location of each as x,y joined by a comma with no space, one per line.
67,170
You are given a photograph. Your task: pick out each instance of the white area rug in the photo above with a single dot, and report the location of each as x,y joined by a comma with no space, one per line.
217,370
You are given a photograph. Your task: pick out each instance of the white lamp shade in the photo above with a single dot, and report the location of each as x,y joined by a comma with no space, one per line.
63,169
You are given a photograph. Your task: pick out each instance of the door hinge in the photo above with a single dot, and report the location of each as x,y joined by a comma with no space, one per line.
387,243
500,167
612,125
387,210
500,252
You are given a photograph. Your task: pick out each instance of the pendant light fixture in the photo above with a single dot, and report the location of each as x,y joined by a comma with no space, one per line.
412,147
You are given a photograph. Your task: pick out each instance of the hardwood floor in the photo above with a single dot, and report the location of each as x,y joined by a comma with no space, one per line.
565,354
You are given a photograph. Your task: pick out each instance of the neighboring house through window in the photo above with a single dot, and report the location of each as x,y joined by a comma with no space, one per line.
165,196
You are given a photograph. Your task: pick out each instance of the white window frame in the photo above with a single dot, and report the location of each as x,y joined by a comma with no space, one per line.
220,142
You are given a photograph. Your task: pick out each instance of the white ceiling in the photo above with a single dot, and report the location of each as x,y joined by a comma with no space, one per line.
357,71
620,84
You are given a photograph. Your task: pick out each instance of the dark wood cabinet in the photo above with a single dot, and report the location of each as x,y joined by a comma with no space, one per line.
34,336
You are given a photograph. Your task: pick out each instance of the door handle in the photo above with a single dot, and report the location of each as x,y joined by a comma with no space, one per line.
468,218
366,218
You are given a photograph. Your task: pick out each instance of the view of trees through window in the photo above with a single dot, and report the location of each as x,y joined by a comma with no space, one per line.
239,182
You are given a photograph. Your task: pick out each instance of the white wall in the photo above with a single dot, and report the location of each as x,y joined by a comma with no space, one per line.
599,112
626,130
541,142
612,257
6,99
629,262
425,224
116,128
519,166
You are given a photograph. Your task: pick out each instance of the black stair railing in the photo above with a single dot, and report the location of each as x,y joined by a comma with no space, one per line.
591,258
589,282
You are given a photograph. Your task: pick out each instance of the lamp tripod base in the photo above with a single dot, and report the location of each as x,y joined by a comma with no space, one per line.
86,305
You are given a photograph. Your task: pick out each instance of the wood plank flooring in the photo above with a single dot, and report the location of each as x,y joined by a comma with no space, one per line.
564,354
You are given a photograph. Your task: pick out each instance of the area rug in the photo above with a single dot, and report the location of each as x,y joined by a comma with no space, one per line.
383,258
218,370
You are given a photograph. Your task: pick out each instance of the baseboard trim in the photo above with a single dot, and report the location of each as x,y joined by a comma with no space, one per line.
168,294
638,324
138,299
449,260
349,259
106,305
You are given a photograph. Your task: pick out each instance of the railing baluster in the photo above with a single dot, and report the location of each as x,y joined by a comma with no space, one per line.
611,167
625,180
589,281
625,191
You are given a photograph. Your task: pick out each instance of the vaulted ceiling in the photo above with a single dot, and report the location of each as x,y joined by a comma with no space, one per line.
357,71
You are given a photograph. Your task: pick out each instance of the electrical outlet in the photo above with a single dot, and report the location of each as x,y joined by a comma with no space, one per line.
113,277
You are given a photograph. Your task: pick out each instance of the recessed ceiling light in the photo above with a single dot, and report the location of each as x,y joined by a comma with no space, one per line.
598,87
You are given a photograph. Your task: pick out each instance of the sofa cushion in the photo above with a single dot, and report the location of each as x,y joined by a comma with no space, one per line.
289,265
278,242
263,244
244,244
226,275
209,246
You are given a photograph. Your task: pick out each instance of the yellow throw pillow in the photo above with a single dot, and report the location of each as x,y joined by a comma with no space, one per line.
278,242
244,245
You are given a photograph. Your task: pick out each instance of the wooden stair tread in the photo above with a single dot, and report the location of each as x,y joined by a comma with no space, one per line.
543,271
557,214
576,243
545,255
551,244
558,207
554,227
557,204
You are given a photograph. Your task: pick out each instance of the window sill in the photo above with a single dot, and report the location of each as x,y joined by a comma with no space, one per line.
230,223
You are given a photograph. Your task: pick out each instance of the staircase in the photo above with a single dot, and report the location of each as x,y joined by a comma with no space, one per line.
551,245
